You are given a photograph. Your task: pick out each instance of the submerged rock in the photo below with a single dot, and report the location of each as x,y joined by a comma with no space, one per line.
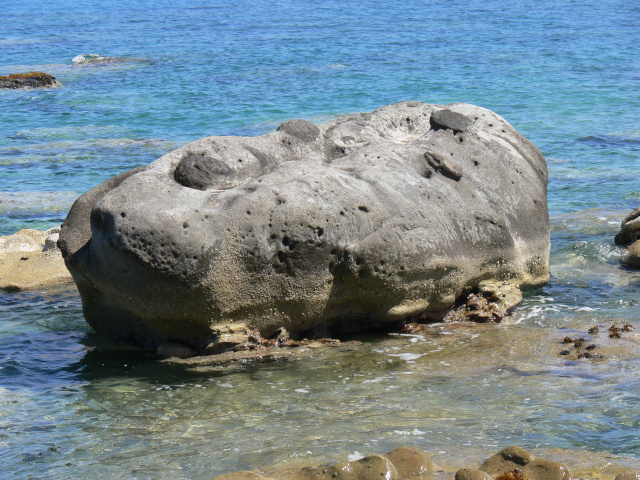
515,459
30,259
356,223
28,80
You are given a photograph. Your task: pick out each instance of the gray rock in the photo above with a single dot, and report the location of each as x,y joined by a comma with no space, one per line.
174,349
362,221
515,459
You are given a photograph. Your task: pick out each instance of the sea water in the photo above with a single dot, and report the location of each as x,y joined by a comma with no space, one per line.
143,78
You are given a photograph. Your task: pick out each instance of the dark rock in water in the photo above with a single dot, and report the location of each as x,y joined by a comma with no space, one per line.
629,229
28,80
360,222
629,236
528,465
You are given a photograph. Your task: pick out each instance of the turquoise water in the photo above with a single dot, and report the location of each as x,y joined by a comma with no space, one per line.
564,73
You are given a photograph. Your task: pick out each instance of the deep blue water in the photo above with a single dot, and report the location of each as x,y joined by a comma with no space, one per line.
565,73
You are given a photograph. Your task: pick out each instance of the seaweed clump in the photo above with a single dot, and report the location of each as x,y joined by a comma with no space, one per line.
28,80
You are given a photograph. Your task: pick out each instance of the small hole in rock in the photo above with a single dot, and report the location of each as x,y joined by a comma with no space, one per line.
362,208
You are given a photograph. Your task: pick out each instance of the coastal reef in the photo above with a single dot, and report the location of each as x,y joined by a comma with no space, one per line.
406,463
350,225
31,259
629,236
28,80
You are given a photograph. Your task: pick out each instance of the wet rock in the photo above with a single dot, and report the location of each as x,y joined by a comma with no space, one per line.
239,476
631,258
175,349
353,224
372,467
490,304
629,229
29,259
629,475
472,474
629,236
28,80
410,462
528,465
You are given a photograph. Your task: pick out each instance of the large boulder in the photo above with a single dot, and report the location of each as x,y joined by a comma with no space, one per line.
362,221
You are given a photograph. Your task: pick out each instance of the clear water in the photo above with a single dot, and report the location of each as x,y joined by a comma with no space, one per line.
565,73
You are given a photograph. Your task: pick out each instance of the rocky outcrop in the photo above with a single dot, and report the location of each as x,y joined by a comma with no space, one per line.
359,222
31,259
629,236
28,80
404,463
516,460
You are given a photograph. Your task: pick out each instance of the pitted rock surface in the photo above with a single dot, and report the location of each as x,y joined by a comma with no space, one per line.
362,221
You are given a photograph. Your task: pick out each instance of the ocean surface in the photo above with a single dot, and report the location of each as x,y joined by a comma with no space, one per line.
143,78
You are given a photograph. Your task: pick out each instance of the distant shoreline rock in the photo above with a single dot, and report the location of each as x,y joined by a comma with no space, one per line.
31,259
350,225
29,80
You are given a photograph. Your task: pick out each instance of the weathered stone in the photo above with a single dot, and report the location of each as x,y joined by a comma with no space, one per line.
528,465
631,258
27,261
346,225
629,475
28,80
446,118
411,462
372,467
472,474
629,229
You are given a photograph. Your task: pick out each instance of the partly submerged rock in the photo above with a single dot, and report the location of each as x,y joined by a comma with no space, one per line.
30,259
362,221
28,80
372,467
629,236
515,459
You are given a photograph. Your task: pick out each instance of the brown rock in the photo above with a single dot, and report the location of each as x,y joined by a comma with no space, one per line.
472,474
411,462
372,467
239,476
631,259
629,475
528,465
28,80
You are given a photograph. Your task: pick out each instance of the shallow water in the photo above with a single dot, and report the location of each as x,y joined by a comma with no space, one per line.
565,74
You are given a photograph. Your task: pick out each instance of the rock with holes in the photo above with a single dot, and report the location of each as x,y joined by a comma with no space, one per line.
362,221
